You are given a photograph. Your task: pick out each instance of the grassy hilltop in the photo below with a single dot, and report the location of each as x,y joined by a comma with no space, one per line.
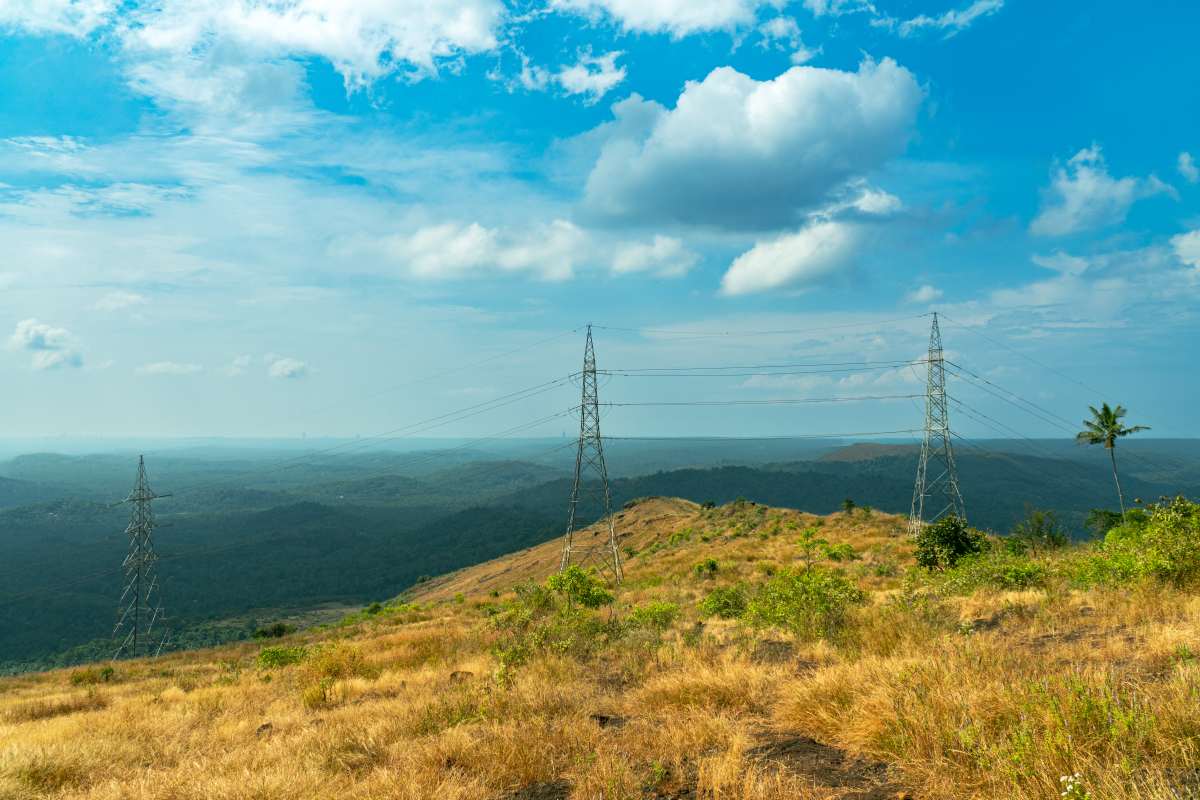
753,652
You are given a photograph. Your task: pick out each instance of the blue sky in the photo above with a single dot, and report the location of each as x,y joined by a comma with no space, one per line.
252,218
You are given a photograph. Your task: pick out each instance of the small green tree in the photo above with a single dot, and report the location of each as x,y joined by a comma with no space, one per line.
1100,521
728,602
942,544
579,587
811,603
1037,533
1105,427
848,506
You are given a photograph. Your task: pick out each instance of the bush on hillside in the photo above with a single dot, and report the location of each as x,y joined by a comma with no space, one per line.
90,676
1037,533
657,615
942,544
339,661
812,603
1100,521
577,586
996,569
558,616
274,631
1162,544
728,602
279,656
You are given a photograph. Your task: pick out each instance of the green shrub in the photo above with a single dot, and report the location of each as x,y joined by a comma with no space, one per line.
841,552
274,631
90,676
812,603
557,616
279,656
1100,521
941,544
706,568
996,569
1161,544
1037,533
577,586
727,603
339,661
657,615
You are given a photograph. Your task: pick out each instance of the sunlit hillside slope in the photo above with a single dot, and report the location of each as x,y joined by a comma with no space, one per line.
752,652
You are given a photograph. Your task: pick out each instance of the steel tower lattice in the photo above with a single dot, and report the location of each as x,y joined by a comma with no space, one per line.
937,497
590,489
140,630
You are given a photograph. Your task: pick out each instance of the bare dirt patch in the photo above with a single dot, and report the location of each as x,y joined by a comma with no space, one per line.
826,766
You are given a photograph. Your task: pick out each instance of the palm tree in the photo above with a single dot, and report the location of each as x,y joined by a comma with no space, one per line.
1105,427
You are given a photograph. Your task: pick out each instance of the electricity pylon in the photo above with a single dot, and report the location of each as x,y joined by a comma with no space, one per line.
140,607
599,549
936,450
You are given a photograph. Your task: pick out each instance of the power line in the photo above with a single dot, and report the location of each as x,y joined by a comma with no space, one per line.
772,402
849,435
420,426
1025,356
450,371
779,332
1005,394
761,373
795,365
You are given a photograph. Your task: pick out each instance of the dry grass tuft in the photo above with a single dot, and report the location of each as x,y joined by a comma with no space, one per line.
47,708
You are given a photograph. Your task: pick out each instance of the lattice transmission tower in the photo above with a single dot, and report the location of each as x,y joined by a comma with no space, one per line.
140,630
599,547
936,493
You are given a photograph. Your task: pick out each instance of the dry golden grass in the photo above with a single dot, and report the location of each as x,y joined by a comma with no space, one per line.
990,695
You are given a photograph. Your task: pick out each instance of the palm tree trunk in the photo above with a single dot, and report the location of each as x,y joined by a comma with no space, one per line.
1112,452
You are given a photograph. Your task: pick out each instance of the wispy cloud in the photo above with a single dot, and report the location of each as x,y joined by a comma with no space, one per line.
1083,196
286,368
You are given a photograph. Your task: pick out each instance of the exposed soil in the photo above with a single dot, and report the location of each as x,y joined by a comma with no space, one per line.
830,767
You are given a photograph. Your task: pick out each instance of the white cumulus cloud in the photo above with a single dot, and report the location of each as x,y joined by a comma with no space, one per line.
1187,248
50,347
664,256
783,33
454,250
363,39
924,295
592,76
745,154
799,259
1187,168
1083,196
71,17
286,368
